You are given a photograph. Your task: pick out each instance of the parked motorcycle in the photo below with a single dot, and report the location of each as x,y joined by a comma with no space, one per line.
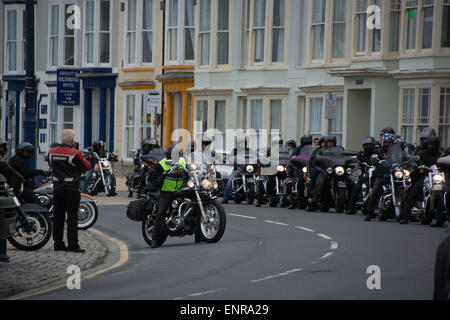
133,179
87,212
243,187
336,165
32,228
365,174
103,178
194,210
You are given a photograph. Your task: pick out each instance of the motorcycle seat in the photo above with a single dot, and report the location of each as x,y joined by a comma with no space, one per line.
32,207
154,194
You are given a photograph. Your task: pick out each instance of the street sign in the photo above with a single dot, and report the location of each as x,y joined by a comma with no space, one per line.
153,101
331,107
68,87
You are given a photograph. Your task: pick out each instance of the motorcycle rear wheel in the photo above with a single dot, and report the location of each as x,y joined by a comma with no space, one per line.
34,240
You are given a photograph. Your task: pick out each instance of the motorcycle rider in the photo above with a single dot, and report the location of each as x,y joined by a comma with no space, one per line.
424,134
365,156
320,186
98,147
428,157
149,148
387,140
314,172
305,140
67,166
19,162
269,190
169,185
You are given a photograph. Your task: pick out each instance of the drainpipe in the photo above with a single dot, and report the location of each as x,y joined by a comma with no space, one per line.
163,95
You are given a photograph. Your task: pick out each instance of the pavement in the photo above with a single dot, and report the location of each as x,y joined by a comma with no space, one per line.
29,270
268,253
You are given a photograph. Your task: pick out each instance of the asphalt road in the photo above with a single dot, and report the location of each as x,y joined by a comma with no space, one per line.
269,253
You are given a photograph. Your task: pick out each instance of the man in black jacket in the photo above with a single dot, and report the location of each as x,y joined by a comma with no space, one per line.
67,166
19,162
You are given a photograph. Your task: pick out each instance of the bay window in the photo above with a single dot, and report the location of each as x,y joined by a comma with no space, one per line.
130,124
339,15
205,31
445,29
427,24
11,40
219,115
202,114
180,31
416,112
97,32
335,125
376,33
139,32
411,23
62,42
361,25
15,39
265,32
444,117
315,117
318,28
275,114
223,26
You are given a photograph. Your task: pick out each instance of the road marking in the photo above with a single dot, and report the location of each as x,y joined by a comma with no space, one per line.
326,255
206,292
325,236
305,229
334,245
122,260
241,216
278,223
277,275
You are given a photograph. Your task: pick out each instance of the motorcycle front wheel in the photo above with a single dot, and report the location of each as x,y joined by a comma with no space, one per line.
251,194
110,185
213,226
341,196
30,240
147,230
87,215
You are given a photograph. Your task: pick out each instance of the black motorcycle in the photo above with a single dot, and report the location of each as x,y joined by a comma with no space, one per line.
336,165
194,210
297,184
103,178
243,187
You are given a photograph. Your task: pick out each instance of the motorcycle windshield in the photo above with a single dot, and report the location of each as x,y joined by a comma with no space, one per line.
394,155
307,150
334,151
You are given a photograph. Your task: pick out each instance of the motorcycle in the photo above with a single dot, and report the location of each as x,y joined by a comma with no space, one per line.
364,173
395,184
33,228
133,179
297,186
87,212
194,210
337,166
243,187
103,178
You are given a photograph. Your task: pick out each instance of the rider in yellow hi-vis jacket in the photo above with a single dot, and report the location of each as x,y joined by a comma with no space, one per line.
169,185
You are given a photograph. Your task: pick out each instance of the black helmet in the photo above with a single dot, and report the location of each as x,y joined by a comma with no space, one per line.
369,140
169,151
25,147
98,145
433,141
291,142
427,132
322,139
387,130
4,144
306,140
331,138
148,145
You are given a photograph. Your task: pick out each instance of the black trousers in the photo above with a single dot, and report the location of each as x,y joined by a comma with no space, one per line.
66,200
321,191
375,194
165,199
269,190
413,194
356,193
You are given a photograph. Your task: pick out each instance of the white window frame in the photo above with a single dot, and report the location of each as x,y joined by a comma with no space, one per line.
212,108
20,41
61,34
213,36
180,35
96,34
139,33
368,51
328,59
249,39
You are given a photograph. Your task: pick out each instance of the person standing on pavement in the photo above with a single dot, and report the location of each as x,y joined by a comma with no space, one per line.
67,166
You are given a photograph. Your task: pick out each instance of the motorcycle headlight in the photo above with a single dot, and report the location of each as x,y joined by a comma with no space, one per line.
216,186
194,166
280,168
191,184
105,164
349,171
249,168
398,174
407,173
438,179
330,170
142,166
305,170
206,183
339,171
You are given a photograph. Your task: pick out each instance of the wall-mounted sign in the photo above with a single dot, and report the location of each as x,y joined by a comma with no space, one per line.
152,100
331,107
68,87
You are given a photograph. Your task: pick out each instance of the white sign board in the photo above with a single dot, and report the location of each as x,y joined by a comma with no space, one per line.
152,100
331,107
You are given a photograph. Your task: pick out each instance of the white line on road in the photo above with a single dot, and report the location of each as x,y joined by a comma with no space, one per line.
206,292
324,236
305,229
241,216
278,275
278,223
334,245
326,255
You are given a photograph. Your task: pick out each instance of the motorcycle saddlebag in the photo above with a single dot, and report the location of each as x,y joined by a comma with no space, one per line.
137,210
